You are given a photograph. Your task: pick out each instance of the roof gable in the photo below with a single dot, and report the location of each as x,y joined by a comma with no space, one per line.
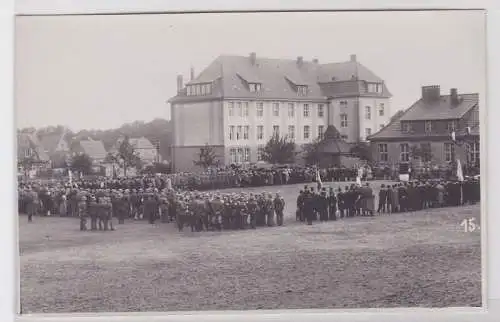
441,109
94,149
229,75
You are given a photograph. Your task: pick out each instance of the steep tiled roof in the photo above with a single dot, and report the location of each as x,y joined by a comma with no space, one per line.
231,74
141,143
50,141
442,109
94,149
29,140
333,143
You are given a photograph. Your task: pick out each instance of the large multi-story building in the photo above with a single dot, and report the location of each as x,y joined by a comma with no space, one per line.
428,126
237,103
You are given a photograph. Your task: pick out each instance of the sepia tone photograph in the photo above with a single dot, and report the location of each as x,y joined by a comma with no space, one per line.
249,161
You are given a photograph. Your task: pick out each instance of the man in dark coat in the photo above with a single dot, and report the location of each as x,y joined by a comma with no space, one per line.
382,199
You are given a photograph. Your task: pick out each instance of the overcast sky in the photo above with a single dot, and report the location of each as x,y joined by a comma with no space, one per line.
102,71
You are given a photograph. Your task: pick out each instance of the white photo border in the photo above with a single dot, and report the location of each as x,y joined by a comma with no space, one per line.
9,292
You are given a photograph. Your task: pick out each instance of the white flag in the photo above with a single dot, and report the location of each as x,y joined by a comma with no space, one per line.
318,180
460,174
70,175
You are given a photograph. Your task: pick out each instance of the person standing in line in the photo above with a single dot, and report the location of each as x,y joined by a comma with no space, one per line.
279,207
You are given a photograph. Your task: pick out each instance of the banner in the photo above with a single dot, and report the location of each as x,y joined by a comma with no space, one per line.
318,180
460,175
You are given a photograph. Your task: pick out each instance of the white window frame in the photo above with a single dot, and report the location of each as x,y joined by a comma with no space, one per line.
291,132
451,126
307,132
231,132
260,109
245,109
291,110
239,132
239,109
306,110
448,151
246,154
343,120
381,109
368,132
383,152
230,108
260,132
260,152
321,110
246,132
404,152
276,109
321,132
428,126
232,155
368,112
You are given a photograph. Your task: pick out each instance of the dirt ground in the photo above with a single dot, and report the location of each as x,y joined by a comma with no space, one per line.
420,259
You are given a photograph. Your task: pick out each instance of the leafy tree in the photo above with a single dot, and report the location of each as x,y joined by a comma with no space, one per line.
312,154
128,155
363,151
206,157
81,163
279,150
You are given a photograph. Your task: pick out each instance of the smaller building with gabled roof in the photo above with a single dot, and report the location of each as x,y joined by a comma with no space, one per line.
425,131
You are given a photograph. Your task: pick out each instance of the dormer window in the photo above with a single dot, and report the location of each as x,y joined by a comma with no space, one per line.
374,88
255,87
302,90
199,89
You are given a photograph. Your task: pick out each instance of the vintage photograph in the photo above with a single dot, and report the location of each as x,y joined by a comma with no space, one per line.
249,161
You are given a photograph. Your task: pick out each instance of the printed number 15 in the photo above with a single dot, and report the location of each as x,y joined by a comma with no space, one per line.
469,225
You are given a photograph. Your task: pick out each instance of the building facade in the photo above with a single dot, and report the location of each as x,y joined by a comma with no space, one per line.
237,103
423,134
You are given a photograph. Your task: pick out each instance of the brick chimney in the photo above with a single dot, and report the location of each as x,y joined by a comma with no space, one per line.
353,58
253,58
192,73
315,60
454,99
180,83
431,93
300,61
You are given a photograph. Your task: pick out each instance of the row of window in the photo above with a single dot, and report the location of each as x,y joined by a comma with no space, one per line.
243,154
257,87
449,151
242,132
368,111
241,109
199,89
407,126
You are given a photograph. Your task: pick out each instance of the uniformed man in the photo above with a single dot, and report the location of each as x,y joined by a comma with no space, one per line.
279,207
332,205
93,211
83,212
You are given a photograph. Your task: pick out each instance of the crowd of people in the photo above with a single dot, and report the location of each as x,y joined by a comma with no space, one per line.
359,200
197,210
99,200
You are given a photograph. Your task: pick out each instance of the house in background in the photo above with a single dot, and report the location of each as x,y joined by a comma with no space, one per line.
93,148
147,151
31,157
428,126
57,147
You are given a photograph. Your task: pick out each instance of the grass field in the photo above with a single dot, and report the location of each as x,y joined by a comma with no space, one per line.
414,259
